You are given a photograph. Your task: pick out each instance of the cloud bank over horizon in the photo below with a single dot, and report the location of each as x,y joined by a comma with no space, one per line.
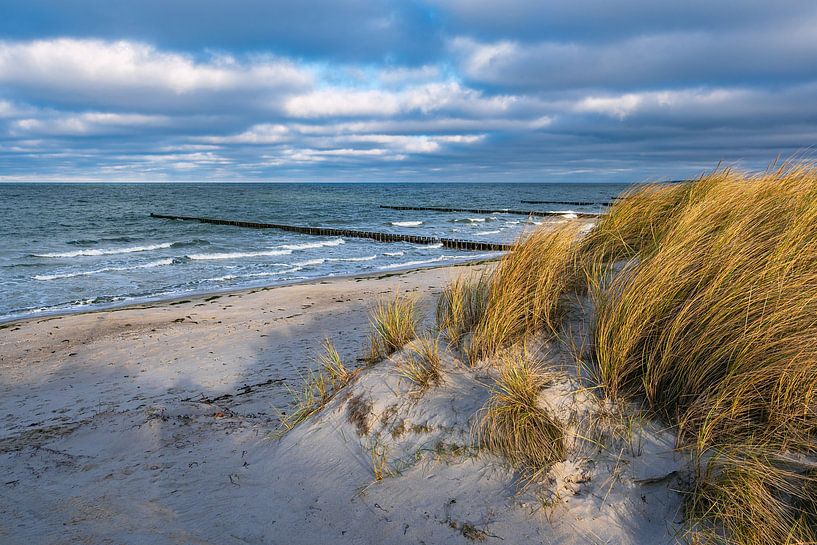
420,90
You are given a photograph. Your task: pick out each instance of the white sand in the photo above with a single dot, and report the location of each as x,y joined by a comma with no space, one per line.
155,425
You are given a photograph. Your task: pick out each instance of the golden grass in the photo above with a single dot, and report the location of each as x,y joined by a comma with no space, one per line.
748,496
318,387
716,328
394,323
713,324
515,425
526,289
462,305
423,365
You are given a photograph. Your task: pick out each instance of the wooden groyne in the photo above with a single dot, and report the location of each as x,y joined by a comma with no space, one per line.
572,203
350,233
539,213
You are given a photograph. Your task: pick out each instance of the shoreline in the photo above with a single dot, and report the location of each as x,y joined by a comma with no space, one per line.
150,302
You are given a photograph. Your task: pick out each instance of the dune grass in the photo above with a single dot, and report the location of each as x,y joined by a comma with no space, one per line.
394,323
317,387
462,305
515,425
712,324
746,495
525,290
423,365
716,327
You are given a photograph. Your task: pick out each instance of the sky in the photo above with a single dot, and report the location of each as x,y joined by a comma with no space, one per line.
403,90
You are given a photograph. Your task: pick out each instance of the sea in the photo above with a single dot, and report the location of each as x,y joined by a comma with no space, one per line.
68,247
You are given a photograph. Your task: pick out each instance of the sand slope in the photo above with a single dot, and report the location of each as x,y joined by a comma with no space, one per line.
168,445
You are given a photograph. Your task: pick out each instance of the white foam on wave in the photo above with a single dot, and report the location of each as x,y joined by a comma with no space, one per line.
311,245
253,275
406,223
487,232
107,251
238,255
58,276
435,260
570,216
320,261
393,254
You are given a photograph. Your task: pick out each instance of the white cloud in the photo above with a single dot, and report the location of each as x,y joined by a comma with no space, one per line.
619,106
427,98
687,100
87,123
94,68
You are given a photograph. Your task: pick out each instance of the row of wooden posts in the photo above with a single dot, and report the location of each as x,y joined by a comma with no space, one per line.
350,233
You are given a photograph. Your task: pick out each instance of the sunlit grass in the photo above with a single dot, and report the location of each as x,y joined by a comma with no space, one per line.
394,323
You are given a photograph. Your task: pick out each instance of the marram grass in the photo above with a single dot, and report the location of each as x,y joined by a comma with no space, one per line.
394,323
422,365
525,291
515,425
710,319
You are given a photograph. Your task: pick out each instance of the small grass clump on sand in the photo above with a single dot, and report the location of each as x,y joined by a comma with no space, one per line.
394,323
526,289
318,387
515,425
422,365
462,305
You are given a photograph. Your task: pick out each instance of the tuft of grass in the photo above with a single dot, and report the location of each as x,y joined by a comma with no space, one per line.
462,305
422,365
515,425
394,323
749,496
317,387
525,290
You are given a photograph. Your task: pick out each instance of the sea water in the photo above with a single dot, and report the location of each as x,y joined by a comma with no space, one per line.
70,246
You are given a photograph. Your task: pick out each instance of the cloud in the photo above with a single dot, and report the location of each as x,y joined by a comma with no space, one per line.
128,73
670,58
88,123
425,99
414,90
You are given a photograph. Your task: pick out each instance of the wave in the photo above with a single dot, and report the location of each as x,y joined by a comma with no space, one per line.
252,275
320,261
310,245
107,251
487,232
393,254
86,242
152,264
469,220
238,255
436,260
406,223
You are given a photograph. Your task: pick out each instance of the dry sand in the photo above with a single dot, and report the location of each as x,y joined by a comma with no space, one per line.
155,424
